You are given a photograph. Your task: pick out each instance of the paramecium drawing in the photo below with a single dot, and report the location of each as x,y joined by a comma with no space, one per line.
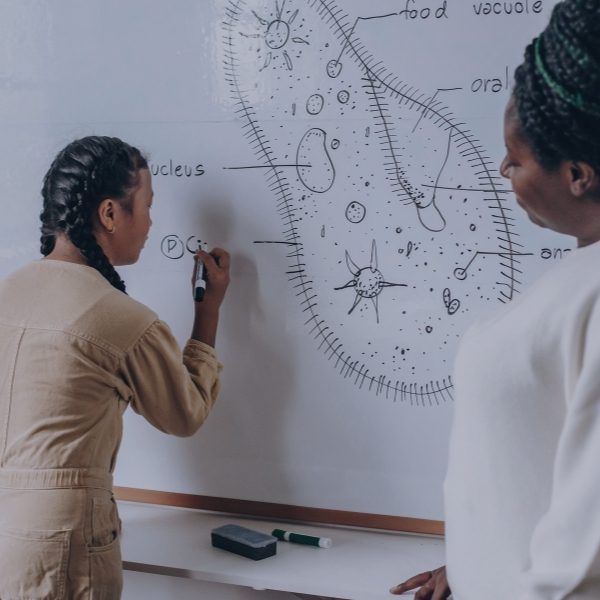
394,221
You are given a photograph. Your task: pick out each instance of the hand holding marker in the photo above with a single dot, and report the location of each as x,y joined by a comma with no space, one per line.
210,278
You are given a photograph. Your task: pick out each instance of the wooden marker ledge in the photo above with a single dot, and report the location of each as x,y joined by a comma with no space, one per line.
289,512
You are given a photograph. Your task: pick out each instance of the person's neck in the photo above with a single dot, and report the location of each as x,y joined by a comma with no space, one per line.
66,251
591,232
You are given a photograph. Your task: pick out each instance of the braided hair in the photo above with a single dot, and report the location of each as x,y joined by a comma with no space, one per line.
83,174
557,87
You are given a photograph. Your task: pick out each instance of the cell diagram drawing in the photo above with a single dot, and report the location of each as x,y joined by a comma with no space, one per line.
395,223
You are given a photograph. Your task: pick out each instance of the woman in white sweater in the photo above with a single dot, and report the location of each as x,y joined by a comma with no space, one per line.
522,492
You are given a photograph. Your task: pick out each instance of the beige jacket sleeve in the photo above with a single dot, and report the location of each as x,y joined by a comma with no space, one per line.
174,391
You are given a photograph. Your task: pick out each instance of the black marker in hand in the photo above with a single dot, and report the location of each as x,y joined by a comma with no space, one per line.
200,278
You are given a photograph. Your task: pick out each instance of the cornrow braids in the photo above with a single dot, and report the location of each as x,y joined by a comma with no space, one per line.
83,174
557,87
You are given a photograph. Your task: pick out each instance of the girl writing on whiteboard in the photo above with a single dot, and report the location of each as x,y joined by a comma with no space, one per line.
75,351
523,485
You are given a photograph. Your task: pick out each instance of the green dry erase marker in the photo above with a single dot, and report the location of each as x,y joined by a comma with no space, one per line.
300,538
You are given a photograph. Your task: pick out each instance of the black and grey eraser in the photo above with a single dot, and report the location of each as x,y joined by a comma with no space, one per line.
243,541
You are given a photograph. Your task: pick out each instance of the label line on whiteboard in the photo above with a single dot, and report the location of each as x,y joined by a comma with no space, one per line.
463,189
265,167
276,242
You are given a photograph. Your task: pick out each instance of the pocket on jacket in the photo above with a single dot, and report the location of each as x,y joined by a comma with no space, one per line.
33,563
106,571
104,552
105,522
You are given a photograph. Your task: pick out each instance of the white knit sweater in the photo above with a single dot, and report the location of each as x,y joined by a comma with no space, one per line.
522,491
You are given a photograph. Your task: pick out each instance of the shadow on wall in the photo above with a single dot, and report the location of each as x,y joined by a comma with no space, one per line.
245,433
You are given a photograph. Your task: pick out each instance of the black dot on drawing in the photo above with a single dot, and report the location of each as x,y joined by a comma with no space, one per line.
343,96
314,104
335,144
334,68
355,212
429,329
472,227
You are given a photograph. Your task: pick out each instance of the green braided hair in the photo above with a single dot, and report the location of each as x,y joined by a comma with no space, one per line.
557,87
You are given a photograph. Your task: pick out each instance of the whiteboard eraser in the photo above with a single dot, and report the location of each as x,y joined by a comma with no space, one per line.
245,542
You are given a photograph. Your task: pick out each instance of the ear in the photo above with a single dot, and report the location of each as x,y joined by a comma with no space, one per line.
582,178
106,215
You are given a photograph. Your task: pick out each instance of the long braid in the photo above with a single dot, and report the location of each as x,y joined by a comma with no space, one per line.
81,176
557,87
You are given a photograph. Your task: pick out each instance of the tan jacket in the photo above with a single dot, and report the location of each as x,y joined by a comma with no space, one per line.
74,353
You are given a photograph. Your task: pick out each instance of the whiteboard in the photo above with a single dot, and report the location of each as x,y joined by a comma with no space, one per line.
346,154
